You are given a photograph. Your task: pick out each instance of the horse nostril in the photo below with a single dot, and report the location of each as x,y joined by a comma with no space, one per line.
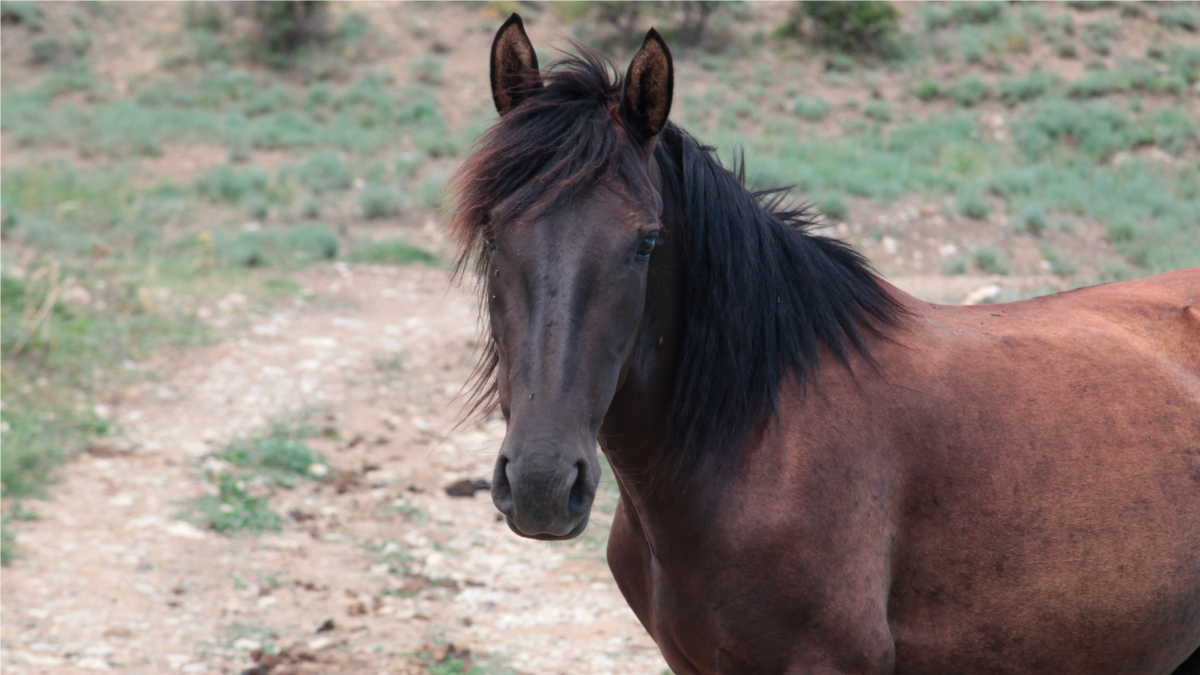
501,488
580,498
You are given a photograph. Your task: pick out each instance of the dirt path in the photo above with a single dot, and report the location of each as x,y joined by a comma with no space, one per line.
109,580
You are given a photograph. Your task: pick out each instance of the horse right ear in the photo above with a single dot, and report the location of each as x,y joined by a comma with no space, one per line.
648,88
514,66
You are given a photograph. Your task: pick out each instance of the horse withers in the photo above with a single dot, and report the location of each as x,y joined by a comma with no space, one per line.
818,472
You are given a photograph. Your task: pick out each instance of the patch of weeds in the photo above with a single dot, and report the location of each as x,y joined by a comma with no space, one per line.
20,12
968,91
233,509
1179,15
252,630
989,260
972,204
811,109
325,172
854,27
227,184
1101,36
975,12
279,456
1034,220
929,90
390,252
380,201
833,207
310,241
1014,90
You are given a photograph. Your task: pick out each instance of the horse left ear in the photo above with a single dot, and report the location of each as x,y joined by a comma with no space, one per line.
514,66
648,87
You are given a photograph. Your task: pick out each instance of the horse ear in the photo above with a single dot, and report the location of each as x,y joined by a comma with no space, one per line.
648,87
514,66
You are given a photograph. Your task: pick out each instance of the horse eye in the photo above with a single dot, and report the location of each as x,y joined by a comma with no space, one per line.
647,245
489,243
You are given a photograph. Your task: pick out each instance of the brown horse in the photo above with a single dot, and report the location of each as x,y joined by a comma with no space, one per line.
818,472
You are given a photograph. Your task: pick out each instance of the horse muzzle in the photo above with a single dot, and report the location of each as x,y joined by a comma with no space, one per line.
542,494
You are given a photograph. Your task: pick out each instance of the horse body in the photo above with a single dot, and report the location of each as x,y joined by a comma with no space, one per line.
941,511
818,472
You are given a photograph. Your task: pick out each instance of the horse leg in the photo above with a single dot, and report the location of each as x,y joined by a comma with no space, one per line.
1189,667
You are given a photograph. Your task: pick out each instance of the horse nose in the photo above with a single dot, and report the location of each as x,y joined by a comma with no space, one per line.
543,497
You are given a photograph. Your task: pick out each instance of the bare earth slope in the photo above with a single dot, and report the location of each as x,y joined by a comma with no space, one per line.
108,580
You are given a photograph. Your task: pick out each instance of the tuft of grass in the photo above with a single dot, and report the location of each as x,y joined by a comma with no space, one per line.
972,204
380,201
390,252
1179,15
1101,36
975,12
969,91
811,109
1034,220
1014,90
279,456
880,111
233,509
929,90
325,172
833,206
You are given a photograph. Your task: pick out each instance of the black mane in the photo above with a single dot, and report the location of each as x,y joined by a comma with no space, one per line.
762,294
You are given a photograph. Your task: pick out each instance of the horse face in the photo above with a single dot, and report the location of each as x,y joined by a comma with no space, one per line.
565,298
565,292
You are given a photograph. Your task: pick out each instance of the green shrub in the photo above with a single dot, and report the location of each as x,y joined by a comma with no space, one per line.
929,90
1035,220
1101,36
990,260
935,17
972,204
976,12
955,265
285,26
1179,15
833,207
379,201
968,91
312,242
390,252
880,111
21,12
1088,5
227,184
325,172
869,26
1014,90
46,49
1059,266
811,109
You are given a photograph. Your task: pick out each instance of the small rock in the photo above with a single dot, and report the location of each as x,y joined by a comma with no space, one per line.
320,643
890,245
92,663
983,295
467,487
325,626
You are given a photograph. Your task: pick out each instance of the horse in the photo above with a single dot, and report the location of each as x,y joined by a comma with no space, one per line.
818,472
